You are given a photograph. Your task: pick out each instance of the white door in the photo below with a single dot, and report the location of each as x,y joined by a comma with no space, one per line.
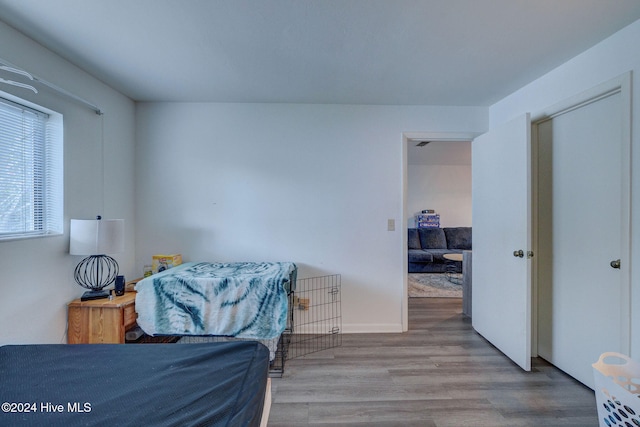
501,187
583,227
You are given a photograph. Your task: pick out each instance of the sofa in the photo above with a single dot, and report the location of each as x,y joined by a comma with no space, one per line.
427,247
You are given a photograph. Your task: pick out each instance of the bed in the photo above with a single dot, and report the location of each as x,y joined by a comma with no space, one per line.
214,384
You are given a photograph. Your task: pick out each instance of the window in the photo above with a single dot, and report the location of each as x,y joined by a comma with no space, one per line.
31,181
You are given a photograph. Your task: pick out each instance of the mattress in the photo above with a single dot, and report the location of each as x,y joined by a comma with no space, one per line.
214,384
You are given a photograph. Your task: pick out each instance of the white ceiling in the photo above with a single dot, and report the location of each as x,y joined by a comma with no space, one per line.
407,52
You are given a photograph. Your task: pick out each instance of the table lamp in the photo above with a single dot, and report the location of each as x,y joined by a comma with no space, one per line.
96,238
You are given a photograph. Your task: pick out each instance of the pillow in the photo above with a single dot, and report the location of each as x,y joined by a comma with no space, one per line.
432,238
414,239
458,237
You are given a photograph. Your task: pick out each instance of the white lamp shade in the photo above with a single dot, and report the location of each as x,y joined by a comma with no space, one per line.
96,236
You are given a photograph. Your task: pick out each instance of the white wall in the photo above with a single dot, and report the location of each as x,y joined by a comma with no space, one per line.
444,188
312,184
36,275
617,55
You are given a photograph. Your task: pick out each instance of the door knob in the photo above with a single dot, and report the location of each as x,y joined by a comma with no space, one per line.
518,253
615,263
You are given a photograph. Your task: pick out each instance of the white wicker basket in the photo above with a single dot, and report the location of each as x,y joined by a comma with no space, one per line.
617,388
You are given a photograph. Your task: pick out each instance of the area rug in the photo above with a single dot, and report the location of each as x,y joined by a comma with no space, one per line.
434,285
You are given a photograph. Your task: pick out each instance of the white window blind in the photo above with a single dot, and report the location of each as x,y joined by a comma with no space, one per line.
31,175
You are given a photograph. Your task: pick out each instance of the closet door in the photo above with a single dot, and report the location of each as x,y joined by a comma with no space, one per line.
584,183
501,185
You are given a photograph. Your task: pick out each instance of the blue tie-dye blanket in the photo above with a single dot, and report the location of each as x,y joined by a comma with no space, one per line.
244,300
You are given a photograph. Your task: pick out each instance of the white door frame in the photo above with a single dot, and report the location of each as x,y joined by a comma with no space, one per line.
406,137
621,84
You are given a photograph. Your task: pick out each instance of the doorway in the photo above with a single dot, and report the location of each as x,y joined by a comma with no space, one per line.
409,140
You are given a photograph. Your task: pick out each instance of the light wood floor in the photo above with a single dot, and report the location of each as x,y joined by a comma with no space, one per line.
440,373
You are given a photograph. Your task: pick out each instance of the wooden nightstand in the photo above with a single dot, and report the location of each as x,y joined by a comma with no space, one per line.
101,321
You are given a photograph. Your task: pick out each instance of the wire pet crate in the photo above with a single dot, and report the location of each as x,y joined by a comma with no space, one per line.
316,313
314,323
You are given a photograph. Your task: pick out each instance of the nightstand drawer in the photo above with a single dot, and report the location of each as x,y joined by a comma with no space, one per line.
129,315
